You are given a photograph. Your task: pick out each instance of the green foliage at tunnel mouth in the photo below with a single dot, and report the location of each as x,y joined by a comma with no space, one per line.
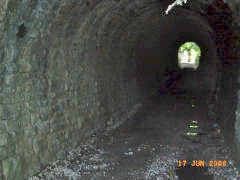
189,55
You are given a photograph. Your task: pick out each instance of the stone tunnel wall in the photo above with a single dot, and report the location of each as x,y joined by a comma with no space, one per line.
65,71
227,40
224,104
62,79
235,7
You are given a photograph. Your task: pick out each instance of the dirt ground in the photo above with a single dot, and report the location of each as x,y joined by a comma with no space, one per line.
152,145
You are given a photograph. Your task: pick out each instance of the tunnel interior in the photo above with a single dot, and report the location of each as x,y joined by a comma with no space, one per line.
155,66
71,69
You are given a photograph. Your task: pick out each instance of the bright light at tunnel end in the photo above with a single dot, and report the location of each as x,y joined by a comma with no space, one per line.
189,55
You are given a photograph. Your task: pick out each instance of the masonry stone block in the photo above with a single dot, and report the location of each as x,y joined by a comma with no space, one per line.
11,148
3,139
3,127
9,168
3,152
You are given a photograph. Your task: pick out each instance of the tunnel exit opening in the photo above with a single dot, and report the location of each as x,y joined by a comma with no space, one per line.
189,55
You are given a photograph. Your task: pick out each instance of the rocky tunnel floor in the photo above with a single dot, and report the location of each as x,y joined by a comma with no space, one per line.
151,146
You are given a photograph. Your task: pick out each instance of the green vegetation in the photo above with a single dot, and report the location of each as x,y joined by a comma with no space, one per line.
189,54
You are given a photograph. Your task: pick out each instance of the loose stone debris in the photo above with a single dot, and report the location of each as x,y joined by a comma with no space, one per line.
149,149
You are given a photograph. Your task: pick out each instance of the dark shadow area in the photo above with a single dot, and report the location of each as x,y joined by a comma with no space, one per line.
189,172
157,58
22,30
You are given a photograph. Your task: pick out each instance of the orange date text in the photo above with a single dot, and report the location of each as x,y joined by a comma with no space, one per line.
202,163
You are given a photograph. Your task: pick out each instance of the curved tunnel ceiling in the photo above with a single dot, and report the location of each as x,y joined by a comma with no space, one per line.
110,32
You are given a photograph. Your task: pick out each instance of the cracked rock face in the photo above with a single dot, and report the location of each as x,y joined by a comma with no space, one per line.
71,68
